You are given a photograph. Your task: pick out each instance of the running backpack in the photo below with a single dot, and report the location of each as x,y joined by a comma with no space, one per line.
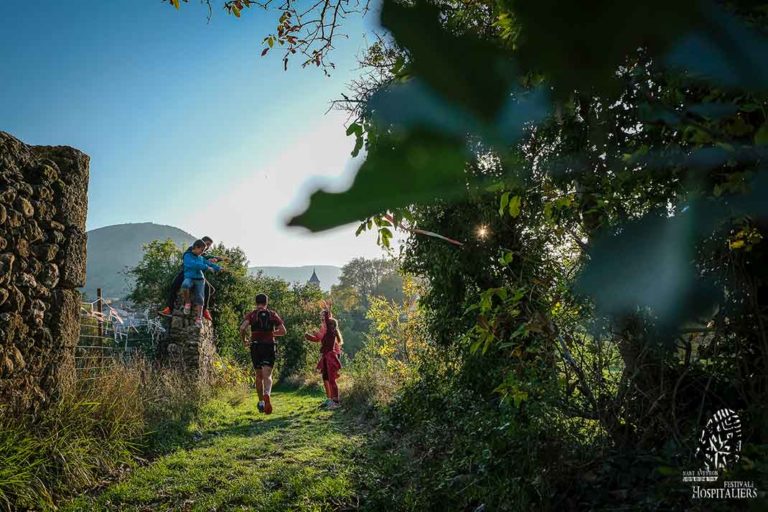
262,321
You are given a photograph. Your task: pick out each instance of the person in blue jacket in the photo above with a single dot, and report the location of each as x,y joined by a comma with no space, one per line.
176,285
194,282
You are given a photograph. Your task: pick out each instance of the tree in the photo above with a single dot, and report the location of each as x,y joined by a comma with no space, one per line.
154,274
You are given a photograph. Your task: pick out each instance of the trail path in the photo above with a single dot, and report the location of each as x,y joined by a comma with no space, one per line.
297,458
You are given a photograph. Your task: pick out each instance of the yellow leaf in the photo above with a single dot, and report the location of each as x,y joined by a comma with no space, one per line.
175,3
235,10
737,244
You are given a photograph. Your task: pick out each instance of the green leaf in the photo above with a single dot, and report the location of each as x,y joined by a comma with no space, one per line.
354,128
761,137
396,173
504,203
358,146
514,207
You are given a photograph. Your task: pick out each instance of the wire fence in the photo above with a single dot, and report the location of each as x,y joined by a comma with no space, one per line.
110,335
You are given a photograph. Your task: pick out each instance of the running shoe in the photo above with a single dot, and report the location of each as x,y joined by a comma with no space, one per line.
333,405
207,315
267,405
166,312
187,308
326,403
261,406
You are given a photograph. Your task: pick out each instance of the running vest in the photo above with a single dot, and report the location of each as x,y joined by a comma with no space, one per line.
262,321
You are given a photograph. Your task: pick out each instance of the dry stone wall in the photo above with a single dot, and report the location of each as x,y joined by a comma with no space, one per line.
188,347
43,207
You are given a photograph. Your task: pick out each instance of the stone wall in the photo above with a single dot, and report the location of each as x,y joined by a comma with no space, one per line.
189,347
43,206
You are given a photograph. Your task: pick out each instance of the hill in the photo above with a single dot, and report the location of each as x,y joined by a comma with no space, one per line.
112,249
328,274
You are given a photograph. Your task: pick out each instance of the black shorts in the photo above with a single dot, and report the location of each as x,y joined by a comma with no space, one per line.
262,354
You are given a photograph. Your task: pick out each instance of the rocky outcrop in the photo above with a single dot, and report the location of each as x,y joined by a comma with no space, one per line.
43,206
188,347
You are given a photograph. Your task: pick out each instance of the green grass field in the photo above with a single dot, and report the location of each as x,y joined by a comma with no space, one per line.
297,458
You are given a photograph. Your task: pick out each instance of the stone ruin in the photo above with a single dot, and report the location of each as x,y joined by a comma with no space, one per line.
43,207
187,346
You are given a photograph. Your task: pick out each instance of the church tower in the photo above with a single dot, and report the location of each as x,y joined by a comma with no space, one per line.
314,280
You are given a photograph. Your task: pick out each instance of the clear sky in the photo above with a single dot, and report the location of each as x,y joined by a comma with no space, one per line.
184,122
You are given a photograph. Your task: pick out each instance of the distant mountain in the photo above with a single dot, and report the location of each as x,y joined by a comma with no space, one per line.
113,249
328,274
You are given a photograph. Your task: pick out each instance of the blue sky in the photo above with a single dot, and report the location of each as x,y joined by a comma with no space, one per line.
183,120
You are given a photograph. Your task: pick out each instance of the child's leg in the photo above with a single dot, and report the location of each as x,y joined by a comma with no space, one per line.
185,287
327,386
334,389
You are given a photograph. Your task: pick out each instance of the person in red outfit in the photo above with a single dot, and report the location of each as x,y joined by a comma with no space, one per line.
330,339
259,328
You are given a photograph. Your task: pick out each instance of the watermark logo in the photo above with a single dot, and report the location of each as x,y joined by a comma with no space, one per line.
720,441
719,449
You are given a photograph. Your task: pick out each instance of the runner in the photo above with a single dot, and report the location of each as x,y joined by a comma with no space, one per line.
259,329
329,336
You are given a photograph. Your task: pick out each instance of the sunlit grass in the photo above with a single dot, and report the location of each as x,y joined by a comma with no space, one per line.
294,459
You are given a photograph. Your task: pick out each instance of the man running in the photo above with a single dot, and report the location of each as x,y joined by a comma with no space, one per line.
260,328
176,285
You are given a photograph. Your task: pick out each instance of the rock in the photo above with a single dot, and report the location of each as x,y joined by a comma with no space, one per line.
45,173
8,196
6,263
22,248
44,194
46,252
57,226
6,367
15,219
49,276
3,243
37,311
4,293
27,281
72,269
55,237
25,189
3,215
16,299
34,267
32,232
17,358
25,207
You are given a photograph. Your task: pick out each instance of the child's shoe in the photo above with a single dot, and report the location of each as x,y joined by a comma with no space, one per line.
326,403
207,315
260,407
199,323
333,405
267,405
187,308
166,312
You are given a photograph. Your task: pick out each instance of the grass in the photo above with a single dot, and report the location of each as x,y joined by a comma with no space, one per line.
297,458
